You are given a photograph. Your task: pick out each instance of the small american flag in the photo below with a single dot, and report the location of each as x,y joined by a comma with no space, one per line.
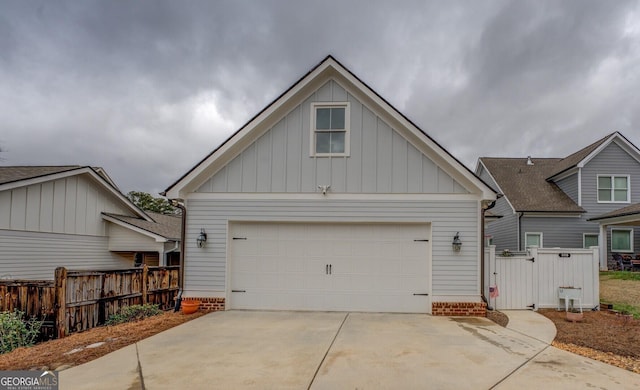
493,291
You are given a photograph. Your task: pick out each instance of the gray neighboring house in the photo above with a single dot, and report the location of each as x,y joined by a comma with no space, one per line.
330,199
627,218
75,217
549,202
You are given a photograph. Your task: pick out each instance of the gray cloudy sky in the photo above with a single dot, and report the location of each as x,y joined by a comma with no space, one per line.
146,89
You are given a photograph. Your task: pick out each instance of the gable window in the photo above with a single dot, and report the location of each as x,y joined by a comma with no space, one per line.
613,189
622,240
589,240
533,239
330,129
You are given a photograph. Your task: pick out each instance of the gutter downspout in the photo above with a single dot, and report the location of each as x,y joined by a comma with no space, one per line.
482,257
520,231
176,203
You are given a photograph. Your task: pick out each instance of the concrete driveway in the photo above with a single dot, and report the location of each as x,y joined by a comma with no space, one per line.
300,350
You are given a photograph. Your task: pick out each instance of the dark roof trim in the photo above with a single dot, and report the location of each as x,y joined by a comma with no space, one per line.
293,86
71,168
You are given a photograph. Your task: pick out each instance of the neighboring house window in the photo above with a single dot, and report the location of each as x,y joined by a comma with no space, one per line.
533,239
589,240
621,240
613,189
330,129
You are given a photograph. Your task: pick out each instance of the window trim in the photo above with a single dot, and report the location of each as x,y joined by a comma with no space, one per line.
533,233
631,237
612,177
584,236
347,128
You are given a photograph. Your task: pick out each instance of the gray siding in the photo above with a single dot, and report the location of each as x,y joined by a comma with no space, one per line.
613,160
30,255
569,185
453,274
380,161
504,231
567,232
70,206
560,232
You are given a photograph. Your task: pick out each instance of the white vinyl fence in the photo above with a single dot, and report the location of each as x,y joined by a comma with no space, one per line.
532,281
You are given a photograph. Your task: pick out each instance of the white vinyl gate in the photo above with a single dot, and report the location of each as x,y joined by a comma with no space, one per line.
532,281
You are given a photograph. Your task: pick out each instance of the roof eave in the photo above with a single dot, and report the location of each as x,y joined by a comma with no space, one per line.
189,181
157,237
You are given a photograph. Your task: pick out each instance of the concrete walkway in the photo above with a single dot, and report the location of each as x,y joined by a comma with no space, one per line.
312,350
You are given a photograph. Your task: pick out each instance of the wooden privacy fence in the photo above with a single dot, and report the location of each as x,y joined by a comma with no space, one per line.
33,297
81,300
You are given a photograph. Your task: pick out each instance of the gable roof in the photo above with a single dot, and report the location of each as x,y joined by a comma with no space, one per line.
632,210
584,155
17,173
20,176
327,69
162,226
526,186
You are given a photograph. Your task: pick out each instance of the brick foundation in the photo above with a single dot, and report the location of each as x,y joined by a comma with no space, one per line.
208,304
473,309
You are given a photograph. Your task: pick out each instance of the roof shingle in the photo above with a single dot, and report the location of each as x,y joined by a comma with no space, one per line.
17,173
623,212
167,226
526,186
574,159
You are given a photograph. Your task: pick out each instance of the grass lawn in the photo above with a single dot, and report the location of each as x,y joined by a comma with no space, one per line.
622,289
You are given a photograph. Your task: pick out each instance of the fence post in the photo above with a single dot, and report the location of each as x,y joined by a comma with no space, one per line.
61,302
145,272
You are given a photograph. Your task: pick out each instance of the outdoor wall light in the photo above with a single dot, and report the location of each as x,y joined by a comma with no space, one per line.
202,238
456,244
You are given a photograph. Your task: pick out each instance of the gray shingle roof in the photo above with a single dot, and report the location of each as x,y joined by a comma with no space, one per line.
572,160
16,173
623,212
167,226
526,186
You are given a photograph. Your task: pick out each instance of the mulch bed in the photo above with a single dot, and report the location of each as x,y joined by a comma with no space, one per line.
54,354
603,336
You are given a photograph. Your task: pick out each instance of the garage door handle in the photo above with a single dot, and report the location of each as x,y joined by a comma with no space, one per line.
238,290
326,269
330,269
423,294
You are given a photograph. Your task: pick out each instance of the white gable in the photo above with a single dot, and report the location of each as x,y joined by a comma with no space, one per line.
381,160
388,153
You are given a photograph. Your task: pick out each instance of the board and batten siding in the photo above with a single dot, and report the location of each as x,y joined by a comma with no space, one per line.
453,274
569,185
33,255
71,205
380,160
503,230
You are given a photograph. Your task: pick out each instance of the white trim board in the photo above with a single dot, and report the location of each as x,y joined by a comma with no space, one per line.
328,196
329,69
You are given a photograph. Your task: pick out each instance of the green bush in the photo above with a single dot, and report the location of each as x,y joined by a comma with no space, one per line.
133,313
15,332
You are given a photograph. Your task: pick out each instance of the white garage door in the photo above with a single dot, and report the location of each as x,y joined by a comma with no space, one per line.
332,267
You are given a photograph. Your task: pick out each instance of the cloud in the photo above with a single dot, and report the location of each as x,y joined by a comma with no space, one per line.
147,89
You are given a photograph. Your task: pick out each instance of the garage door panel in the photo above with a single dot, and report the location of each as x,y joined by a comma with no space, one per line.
285,266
